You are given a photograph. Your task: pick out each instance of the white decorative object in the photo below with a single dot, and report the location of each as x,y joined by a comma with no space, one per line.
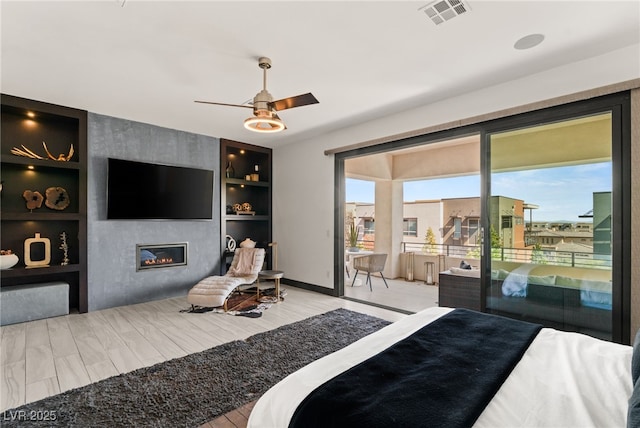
27,251
8,261
231,243
248,243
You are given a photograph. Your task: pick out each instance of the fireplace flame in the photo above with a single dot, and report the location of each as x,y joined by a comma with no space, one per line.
159,261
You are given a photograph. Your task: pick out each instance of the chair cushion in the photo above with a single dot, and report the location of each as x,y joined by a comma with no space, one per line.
213,290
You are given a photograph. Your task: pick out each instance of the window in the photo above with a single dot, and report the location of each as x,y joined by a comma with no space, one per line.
525,154
457,228
410,227
474,225
369,226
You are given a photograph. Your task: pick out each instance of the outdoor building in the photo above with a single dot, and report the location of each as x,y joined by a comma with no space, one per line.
454,222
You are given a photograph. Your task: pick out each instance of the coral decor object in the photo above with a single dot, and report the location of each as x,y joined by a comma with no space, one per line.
34,199
57,198
65,249
61,157
25,152
244,208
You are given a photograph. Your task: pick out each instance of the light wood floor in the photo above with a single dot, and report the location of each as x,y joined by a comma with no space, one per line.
45,357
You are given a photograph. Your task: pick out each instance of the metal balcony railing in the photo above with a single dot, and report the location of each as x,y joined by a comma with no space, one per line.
519,255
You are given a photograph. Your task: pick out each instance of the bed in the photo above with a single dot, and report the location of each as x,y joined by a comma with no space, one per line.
559,379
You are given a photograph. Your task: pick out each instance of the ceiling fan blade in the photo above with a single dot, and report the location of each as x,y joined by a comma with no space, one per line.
222,104
297,101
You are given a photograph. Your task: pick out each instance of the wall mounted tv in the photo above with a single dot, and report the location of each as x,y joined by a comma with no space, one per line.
146,191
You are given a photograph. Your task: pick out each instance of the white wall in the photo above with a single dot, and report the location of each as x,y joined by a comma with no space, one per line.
304,176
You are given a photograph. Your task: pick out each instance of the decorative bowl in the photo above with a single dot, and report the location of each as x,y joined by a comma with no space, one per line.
8,261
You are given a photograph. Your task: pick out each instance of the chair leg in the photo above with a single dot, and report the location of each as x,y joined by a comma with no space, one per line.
354,278
385,281
369,280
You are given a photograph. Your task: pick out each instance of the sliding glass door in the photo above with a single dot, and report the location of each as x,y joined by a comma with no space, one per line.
551,228
552,247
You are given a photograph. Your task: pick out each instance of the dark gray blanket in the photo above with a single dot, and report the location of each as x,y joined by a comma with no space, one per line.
443,375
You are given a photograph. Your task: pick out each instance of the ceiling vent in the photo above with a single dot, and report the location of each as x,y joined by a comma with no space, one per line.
444,10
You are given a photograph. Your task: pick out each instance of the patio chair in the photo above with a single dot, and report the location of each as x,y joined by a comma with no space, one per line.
370,263
214,291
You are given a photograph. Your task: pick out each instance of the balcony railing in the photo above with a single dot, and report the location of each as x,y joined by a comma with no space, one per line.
519,255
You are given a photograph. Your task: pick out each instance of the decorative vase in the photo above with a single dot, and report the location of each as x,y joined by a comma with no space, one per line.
230,172
27,251
248,243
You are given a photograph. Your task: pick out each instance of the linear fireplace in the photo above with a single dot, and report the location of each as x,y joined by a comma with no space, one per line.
160,255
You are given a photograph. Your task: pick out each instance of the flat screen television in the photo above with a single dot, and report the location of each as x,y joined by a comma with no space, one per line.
138,190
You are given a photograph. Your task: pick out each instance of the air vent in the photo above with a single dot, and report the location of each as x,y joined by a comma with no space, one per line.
444,10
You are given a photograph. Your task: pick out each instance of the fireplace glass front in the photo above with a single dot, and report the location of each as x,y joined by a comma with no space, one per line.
160,255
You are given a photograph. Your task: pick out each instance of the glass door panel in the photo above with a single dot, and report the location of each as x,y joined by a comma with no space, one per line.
550,207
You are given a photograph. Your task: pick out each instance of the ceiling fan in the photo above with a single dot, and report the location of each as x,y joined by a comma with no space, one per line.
265,117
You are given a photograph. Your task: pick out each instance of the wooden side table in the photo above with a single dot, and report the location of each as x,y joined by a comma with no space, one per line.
274,275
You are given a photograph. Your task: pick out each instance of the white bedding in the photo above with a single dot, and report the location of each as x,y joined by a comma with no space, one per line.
563,380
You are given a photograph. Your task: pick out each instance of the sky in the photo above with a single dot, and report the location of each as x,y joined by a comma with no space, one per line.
562,193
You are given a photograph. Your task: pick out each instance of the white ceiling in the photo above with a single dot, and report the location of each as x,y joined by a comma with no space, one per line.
148,61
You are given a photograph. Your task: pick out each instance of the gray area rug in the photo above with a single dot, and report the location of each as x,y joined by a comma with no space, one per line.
192,390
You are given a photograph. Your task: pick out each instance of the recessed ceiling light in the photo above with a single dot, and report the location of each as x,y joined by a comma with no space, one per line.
528,42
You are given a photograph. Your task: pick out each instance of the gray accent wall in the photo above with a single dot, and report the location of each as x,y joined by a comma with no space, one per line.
111,244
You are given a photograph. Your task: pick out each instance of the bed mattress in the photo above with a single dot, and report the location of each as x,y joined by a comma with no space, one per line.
563,379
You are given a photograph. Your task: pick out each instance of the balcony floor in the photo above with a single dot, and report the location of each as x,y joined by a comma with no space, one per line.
405,295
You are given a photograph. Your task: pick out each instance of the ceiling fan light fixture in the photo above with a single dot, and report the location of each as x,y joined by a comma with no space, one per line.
265,118
264,122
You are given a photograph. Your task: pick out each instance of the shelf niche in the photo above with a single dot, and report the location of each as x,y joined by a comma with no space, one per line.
236,189
28,123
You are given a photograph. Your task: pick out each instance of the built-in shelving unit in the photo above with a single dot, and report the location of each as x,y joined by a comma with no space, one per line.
29,123
238,163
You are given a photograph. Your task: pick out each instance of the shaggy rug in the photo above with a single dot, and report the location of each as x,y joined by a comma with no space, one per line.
192,390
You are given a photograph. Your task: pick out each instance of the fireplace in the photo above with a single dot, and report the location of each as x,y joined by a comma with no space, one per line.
160,255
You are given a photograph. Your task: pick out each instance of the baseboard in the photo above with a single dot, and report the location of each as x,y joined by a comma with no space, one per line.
310,287
378,305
